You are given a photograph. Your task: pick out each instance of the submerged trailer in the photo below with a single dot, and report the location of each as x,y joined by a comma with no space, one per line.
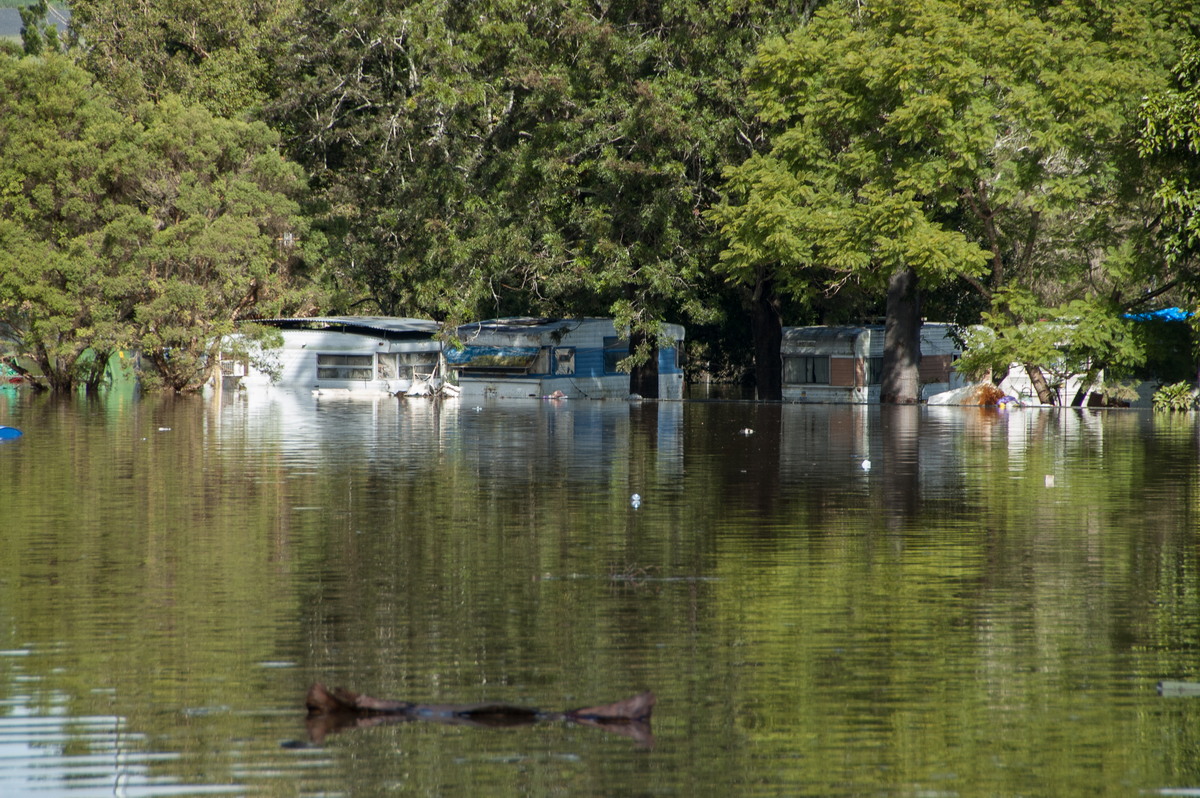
555,358
357,355
844,364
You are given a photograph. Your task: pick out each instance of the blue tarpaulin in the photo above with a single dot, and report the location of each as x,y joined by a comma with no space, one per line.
1166,314
492,356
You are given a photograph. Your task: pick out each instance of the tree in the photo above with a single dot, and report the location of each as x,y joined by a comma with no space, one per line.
154,231
1170,141
38,33
216,238
64,178
953,139
503,157
215,53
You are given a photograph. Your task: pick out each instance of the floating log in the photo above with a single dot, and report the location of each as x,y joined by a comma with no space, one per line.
333,710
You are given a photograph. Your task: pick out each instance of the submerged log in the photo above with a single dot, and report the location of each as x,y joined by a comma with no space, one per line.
334,710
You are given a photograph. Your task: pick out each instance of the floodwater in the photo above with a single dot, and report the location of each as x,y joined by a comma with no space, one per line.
986,610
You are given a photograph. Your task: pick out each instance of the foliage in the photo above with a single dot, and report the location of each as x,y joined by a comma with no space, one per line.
1177,397
974,143
1170,138
38,33
551,157
154,231
215,53
62,180
1078,338
1118,393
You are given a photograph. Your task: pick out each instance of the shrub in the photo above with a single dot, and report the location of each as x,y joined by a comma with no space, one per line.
1178,397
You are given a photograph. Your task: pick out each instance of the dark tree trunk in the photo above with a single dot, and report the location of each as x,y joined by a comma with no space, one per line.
643,379
94,375
59,375
1038,380
901,379
767,329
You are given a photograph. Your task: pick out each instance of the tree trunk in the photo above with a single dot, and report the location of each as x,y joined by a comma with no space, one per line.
901,378
58,373
643,379
767,329
94,374
1038,380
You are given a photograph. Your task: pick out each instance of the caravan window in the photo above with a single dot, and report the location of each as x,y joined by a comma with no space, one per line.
874,370
615,350
806,370
232,366
541,363
386,367
564,360
417,364
345,367
406,365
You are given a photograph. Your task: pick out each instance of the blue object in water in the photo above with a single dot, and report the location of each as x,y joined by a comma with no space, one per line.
1166,314
9,433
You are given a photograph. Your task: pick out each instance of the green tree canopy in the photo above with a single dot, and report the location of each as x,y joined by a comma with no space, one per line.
501,157
216,53
62,182
1170,139
216,237
957,139
153,231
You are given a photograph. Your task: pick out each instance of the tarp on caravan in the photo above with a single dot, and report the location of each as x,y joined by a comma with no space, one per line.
492,357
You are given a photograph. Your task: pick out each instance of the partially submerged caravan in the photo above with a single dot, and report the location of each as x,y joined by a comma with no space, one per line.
844,364
561,358
368,355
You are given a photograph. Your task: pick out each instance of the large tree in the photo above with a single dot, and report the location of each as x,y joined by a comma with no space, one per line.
63,179
1170,141
217,237
215,53
152,231
947,140
506,157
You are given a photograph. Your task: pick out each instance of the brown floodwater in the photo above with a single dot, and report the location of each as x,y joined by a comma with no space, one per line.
826,600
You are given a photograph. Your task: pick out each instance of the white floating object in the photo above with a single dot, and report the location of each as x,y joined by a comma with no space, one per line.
866,465
1049,480
164,429
478,408
635,501
746,431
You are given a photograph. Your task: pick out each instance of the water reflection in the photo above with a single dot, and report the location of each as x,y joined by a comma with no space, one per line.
985,610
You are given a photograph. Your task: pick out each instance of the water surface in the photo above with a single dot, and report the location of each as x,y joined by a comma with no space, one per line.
984,610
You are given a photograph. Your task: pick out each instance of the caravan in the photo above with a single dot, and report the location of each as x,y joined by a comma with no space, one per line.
558,358
357,355
844,364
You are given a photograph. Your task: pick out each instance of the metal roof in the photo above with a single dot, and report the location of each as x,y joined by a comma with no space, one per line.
387,326
520,324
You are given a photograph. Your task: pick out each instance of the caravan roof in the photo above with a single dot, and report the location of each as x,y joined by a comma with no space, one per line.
384,326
